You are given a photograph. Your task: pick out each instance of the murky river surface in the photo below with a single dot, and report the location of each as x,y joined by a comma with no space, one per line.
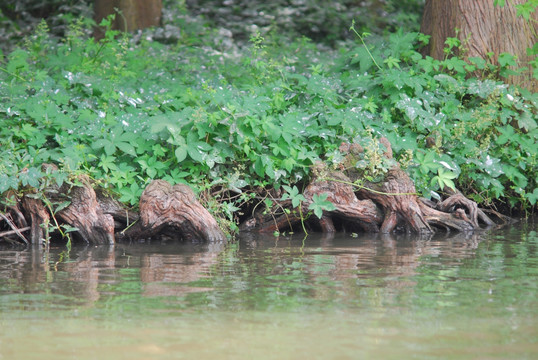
340,297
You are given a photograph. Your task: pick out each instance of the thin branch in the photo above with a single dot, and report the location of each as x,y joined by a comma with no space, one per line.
15,229
11,232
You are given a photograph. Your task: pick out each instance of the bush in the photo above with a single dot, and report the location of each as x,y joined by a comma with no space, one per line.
236,121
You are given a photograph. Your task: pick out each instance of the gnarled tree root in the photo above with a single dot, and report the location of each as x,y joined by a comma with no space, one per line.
363,214
165,210
350,213
173,211
38,216
397,197
386,206
85,213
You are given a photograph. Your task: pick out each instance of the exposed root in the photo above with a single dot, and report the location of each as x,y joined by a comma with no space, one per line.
174,211
39,219
15,230
386,206
166,210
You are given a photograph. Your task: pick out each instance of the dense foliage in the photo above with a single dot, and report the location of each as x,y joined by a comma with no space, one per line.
233,120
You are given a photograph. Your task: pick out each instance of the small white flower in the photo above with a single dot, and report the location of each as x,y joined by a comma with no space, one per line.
510,97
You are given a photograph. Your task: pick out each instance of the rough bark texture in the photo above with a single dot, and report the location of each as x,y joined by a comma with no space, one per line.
364,214
387,206
135,14
350,213
85,213
173,211
168,211
165,211
123,217
38,217
279,219
488,28
397,197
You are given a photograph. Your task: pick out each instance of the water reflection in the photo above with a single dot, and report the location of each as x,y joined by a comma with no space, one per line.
256,272
85,275
334,296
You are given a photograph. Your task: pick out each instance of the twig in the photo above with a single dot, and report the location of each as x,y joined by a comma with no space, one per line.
369,189
15,229
11,232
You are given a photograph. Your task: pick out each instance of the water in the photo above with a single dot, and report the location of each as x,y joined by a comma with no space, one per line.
323,297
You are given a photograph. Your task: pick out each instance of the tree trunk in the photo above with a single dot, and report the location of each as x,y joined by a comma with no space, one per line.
488,28
133,14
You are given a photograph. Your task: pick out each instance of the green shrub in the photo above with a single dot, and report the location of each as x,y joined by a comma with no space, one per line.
127,111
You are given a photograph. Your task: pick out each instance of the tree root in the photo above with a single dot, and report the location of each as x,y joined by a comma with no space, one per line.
165,210
390,205
38,217
386,206
174,211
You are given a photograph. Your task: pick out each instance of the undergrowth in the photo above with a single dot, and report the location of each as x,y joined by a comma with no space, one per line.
233,124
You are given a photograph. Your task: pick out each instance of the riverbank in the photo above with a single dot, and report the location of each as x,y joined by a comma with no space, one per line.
248,126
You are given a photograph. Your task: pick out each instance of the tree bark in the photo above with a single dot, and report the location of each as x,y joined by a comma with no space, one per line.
86,214
483,28
174,212
133,14
390,205
39,217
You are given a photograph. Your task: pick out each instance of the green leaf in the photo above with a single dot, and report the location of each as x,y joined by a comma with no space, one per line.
392,62
444,179
61,206
18,62
320,204
506,59
181,153
532,197
259,168
131,194
30,177
8,182
293,194
526,121
126,148
195,151
427,162
106,144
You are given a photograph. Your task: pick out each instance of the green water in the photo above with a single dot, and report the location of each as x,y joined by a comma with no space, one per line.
333,297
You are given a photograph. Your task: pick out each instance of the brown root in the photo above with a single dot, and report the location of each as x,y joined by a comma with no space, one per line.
398,199
363,214
98,218
386,206
85,214
39,216
173,211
